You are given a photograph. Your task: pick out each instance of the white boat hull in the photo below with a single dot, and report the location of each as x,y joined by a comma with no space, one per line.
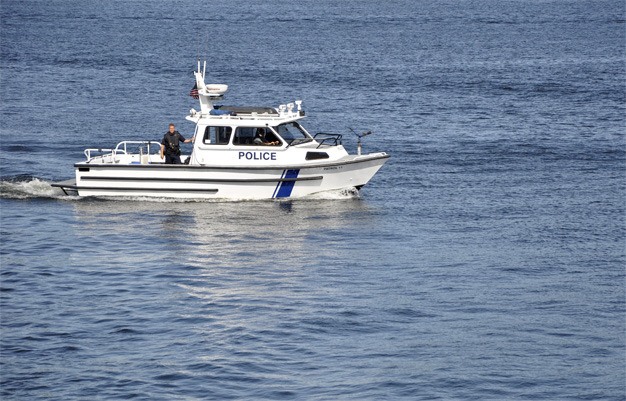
215,182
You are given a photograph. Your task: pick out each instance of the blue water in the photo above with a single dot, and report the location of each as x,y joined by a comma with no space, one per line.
486,260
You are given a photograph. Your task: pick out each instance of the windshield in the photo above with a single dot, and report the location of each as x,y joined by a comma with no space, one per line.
293,133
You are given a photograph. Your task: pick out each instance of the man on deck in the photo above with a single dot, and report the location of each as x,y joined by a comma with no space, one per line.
170,145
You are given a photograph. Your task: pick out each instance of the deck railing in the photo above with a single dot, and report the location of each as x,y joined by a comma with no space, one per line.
328,139
121,148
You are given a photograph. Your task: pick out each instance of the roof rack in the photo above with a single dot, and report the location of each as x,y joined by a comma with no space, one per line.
248,109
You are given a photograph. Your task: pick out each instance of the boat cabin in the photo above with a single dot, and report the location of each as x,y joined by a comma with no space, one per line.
230,135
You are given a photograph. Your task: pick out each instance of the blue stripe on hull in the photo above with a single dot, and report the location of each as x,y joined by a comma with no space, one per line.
285,187
278,184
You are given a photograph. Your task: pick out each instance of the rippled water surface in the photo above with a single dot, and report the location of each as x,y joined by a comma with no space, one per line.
484,261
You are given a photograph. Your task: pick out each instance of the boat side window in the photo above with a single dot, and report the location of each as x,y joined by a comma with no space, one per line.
217,135
245,135
293,133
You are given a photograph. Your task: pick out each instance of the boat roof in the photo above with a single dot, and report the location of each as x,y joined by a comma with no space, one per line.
248,109
247,115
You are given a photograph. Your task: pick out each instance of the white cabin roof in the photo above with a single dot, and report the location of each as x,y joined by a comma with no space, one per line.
247,116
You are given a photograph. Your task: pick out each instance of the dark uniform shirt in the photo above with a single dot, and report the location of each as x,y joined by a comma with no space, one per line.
172,143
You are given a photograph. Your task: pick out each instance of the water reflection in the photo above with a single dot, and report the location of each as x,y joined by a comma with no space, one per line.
230,232
227,252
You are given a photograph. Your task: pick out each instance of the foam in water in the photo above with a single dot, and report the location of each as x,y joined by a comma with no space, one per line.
336,194
33,188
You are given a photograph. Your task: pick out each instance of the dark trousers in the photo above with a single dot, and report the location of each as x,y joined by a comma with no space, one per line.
172,159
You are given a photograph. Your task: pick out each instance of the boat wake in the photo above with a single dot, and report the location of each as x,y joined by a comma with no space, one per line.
336,194
28,188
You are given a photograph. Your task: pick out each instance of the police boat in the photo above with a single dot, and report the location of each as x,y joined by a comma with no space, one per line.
238,153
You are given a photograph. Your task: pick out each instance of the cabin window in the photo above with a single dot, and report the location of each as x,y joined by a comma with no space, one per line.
293,133
217,135
246,135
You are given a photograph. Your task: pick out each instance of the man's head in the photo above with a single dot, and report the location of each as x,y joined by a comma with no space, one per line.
172,128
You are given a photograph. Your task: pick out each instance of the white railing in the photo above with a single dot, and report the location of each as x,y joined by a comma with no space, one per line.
121,148
88,152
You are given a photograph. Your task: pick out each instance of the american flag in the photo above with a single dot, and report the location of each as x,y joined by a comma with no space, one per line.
194,91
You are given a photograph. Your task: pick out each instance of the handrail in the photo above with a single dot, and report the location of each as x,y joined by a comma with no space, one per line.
121,148
125,143
328,137
87,152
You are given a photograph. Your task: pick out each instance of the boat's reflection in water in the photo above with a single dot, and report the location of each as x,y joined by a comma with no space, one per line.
226,234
